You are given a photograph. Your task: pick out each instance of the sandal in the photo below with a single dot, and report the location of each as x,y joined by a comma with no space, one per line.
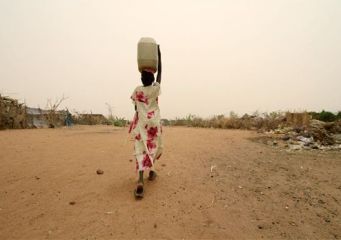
138,192
152,175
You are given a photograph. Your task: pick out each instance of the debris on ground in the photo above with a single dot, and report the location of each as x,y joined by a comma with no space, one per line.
99,171
316,135
213,167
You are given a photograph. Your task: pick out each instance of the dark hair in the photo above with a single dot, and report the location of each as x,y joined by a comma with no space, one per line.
147,78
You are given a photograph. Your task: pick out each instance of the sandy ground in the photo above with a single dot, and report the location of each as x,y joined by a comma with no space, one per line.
212,184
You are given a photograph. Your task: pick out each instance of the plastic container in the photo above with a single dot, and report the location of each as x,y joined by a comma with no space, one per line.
147,57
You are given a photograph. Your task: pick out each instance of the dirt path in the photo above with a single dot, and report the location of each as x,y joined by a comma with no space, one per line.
212,184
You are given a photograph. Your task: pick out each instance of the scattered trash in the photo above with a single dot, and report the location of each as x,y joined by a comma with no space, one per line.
316,135
213,167
292,223
285,137
305,139
240,187
295,147
314,146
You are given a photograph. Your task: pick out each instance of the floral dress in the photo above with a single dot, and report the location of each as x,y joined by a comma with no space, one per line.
146,126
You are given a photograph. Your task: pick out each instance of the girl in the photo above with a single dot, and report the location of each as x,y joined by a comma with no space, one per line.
146,125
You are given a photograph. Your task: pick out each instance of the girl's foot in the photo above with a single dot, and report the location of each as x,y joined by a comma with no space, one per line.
138,192
152,175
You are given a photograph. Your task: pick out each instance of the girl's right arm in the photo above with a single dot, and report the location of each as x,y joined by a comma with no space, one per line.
159,67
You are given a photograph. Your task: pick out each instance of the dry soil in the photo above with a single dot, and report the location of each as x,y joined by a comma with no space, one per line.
212,184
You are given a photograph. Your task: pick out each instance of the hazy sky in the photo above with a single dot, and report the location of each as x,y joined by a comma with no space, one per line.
218,56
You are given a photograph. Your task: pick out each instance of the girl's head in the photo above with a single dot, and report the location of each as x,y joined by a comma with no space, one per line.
147,78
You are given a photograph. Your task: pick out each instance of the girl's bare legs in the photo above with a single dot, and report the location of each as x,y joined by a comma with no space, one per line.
140,177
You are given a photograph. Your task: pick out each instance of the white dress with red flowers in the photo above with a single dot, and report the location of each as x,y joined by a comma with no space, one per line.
146,126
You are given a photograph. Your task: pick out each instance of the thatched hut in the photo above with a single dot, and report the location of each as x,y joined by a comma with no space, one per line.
12,113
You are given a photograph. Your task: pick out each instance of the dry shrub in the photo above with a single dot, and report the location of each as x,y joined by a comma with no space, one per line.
54,117
89,119
298,119
265,121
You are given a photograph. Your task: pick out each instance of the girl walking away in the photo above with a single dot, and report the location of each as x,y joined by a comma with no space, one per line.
146,125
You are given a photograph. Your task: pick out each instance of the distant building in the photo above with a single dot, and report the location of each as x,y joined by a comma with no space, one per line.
36,118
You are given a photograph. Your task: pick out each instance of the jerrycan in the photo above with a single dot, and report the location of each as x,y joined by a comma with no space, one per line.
147,57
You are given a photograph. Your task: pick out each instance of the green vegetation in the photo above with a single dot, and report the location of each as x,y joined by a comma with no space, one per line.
326,116
117,121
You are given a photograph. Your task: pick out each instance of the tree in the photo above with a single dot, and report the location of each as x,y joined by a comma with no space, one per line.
52,117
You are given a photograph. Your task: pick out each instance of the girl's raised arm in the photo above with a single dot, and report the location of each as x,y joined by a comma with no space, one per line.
159,67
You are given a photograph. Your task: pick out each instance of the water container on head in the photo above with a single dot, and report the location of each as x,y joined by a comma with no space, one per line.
147,56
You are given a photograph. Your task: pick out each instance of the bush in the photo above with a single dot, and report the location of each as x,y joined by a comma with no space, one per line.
338,116
266,121
325,116
117,122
